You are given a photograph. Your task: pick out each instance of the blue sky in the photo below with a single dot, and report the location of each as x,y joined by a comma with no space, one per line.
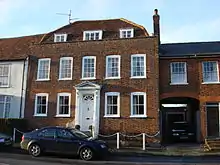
181,20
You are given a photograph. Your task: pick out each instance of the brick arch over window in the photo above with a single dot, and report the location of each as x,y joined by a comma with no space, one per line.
178,94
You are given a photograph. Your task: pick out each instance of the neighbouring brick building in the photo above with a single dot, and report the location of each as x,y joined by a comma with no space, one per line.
114,76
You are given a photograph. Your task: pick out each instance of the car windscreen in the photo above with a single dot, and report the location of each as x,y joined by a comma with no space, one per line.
79,134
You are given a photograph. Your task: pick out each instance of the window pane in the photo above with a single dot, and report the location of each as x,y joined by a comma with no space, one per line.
5,102
178,72
210,73
113,66
89,68
66,68
41,105
4,75
138,104
64,102
112,105
43,69
138,68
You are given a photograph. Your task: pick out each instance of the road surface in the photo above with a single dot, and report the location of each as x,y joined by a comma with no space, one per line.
25,159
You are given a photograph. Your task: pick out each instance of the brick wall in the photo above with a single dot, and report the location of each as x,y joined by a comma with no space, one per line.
125,85
195,89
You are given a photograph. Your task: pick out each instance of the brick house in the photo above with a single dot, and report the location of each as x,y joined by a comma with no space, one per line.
114,76
189,80
101,73
13,75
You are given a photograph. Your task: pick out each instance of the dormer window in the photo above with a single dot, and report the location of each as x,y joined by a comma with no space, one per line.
126,33
92,35
60,37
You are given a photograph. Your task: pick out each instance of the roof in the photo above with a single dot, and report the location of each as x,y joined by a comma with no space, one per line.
111,26
190,48
17,48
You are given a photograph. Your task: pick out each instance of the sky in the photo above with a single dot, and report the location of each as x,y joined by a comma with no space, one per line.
180,20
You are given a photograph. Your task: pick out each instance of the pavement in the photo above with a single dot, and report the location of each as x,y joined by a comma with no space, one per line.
17,157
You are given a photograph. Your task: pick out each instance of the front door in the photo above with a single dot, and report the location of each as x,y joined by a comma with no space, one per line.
87,111
213,121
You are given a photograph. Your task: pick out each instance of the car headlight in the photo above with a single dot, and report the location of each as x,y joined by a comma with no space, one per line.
103,146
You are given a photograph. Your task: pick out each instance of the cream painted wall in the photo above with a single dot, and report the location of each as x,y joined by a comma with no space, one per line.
18,74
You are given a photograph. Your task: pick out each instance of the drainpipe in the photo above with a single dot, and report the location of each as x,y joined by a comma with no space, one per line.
22,88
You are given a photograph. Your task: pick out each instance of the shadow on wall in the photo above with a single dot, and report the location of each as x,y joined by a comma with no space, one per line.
11,106
51,119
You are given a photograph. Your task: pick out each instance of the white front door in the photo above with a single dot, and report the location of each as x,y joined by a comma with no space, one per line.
87,111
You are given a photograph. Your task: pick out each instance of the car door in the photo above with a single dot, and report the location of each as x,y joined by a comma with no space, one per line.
46,139
67,142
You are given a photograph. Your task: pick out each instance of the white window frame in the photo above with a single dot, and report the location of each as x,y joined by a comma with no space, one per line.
118,105
60,68
138,55
38,67
119,67
58,104
171,73
60,35
90,32
5,102
9,75
217,70
145,105
35,105
126,30
88,78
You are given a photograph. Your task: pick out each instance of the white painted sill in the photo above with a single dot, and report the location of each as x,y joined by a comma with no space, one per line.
111,116
63,79
43,80
40,115
62,116
112,78
138,116
206,83
89,78
138,77
179,83
5,86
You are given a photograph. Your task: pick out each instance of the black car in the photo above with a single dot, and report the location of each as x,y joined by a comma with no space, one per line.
181,131
63,140
5,141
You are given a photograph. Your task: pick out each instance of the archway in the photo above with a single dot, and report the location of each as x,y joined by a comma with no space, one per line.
180,119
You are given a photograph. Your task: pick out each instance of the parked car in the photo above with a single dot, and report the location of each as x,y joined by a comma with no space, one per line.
63,140
5,141
181,131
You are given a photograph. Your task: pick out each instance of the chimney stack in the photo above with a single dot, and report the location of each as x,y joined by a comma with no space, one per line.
156,19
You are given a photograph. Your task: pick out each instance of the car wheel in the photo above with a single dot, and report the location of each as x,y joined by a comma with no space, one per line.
34,150
86,153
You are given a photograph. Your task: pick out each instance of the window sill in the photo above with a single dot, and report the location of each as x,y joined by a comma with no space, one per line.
138,116
40,115
43,80
111,116
210,83
63,115
179,83
63,79
8,86
112,78
90,78
138,77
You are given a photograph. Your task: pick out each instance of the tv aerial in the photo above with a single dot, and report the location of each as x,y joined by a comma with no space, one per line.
69,16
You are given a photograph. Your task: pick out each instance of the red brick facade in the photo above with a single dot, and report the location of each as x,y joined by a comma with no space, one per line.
194,89
125,85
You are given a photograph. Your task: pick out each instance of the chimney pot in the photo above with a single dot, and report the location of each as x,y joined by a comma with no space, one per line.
155,11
